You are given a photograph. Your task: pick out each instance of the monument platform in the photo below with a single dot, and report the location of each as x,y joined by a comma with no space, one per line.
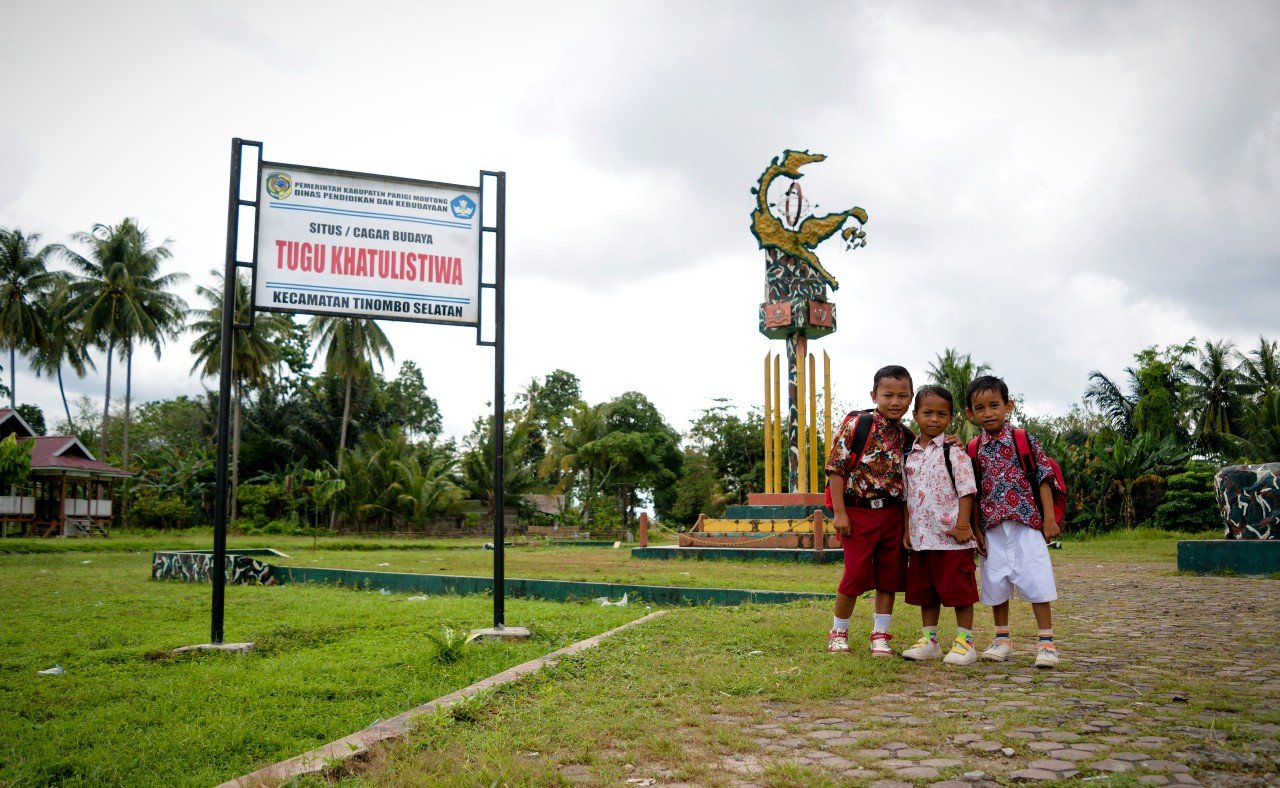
769,522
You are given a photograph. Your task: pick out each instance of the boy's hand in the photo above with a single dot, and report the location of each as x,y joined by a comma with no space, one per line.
962,533
953,440
906,539
842,523
1051,528
981,539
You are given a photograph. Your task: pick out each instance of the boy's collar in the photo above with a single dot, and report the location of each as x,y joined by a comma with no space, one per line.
1004,429
876,412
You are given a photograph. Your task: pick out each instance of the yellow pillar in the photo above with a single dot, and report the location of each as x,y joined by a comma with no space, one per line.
826,401
813,426
768,426
802,431
777,424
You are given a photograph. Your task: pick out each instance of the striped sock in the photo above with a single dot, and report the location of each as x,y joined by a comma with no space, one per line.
1046,639
1002,633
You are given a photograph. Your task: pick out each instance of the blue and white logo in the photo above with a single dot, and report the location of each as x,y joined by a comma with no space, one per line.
463,206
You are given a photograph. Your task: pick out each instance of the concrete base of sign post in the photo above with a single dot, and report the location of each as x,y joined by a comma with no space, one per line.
226,648
500,633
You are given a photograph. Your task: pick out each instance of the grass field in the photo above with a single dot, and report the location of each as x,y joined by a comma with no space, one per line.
332,661
329,662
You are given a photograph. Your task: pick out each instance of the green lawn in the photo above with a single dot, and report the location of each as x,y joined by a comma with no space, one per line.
329,662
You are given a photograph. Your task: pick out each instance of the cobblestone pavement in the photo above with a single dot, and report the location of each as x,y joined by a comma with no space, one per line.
1165,680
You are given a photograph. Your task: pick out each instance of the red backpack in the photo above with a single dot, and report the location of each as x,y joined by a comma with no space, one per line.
861,432
1029,467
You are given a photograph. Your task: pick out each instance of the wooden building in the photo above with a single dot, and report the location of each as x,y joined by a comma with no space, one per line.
68,492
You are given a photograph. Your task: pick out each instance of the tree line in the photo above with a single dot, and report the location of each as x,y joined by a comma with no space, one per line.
327,441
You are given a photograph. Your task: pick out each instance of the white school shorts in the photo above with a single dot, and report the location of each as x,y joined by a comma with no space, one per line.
1017,557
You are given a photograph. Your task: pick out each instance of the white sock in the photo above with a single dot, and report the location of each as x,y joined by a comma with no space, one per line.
839,624
881,622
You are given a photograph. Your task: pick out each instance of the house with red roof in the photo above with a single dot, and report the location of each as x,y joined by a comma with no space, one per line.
67,493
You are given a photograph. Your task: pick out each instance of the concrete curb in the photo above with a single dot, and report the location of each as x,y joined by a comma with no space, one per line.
359,743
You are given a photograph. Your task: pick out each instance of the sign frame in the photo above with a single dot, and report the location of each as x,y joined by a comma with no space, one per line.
217,569
476,192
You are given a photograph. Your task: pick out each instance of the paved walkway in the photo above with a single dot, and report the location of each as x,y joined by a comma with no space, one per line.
1163,678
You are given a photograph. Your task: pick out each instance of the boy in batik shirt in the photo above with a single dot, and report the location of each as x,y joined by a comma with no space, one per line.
1016,519
869,516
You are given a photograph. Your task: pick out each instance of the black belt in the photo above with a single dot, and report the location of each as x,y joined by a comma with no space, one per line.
871,503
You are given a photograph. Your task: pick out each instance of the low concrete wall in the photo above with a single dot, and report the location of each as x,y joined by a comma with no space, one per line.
1241,556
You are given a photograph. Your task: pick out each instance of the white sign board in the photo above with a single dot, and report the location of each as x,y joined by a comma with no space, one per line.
340,243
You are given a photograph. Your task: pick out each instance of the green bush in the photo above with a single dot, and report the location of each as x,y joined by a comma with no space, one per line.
147,509
1189,501
260,504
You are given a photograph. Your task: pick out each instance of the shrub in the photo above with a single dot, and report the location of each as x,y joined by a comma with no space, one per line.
149,510
1189,501
260,504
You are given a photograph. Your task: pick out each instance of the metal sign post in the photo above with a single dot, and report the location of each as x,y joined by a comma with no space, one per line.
365,246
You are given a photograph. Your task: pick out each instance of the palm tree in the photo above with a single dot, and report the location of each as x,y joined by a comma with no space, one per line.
955,372
253,354
1260,367
518,477
61,343
1113,404
122,299
1260,430
577,454
352,345
1130,464
1215,391
24,278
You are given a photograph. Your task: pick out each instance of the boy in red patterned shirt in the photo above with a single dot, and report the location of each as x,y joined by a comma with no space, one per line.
870,516
1017,519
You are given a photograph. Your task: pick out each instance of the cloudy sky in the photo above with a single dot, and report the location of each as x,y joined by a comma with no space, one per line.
1051,186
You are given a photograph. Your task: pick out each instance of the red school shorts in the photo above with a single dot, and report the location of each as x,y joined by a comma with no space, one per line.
941,577
873,554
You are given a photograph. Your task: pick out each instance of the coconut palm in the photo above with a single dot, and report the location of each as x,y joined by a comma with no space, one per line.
61,342
253,353
1113,404
1259,440
351,345
1215,394
24,278
955,372
121,299
1260,367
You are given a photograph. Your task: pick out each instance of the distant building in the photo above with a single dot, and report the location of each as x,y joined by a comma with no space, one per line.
68,493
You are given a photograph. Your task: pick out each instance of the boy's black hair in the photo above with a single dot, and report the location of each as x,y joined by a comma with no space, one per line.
892,371
934,391
984,384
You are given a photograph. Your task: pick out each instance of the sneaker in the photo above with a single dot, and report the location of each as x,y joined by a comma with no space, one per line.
838,641
999,650
925,648
1047,657
962,653
880,644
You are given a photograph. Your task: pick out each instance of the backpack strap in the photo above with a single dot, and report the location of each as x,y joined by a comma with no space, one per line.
861,432
946,458
1029,467
908,440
